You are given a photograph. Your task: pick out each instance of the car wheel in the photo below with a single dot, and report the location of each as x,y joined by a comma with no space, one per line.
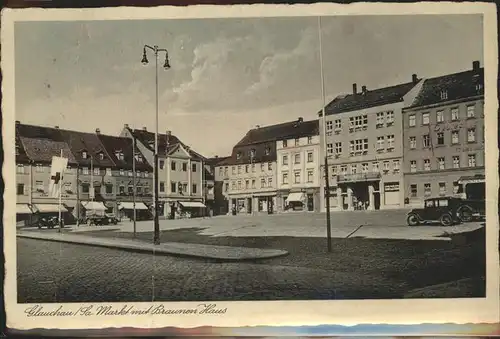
412,220
465,213
446,220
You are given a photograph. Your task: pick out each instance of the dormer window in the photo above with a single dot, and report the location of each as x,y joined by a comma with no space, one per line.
101,156
84,155
267,151
444,94
252,153
17,149
238,155
119,155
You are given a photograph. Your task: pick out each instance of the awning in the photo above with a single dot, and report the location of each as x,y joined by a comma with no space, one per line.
70,204
49,208
192,204
298,197
94,206
23,209
130,206
474,179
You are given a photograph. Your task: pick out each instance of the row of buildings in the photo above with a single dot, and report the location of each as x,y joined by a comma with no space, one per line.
100,174
388,147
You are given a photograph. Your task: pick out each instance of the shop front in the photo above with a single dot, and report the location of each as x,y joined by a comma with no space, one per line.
142,211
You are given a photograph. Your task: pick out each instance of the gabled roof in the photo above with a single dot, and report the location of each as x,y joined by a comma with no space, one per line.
458,86
287,130
125,145
370,98
21,156
42,150
89,142
166,143
215,161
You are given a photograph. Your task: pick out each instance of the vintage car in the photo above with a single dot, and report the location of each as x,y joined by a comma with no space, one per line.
472,210
442,210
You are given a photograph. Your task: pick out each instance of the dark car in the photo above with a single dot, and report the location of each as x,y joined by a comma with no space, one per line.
443,210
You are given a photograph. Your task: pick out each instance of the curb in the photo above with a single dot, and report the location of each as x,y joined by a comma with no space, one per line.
139,249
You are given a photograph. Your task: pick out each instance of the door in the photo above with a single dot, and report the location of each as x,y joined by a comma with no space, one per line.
376,200
310,202
431,210
270,205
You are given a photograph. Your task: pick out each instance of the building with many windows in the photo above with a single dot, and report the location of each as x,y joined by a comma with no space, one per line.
444,138
365,147
298,177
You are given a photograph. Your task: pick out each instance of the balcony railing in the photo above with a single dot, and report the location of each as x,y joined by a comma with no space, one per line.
358,177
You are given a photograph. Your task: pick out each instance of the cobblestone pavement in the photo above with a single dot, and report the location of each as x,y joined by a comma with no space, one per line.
58,272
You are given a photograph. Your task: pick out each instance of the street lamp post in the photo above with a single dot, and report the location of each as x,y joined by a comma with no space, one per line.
156,50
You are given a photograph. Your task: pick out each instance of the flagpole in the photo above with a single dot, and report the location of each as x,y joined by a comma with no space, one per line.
60,195
325,146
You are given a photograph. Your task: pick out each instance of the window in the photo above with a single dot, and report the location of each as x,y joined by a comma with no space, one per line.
122,172
267,151
427,165
442,188
194,189
471,135
162,186
146,174
395,166
20,189
386,166
358,122
221,171
456,187
441,163
247,184
184,188
101,156
239,169
297,141
193,167
270,166
456,161
262,168
184,166
338,148
444,94
471,111
109,189
427,190
390,118
390,141
310,157
454,114
173,186
285,160
364,167
285,144
84,155
343,169
454,137
413,142
253,183
96,171
284,178
297,158
309,140
246,168
172,165
238,155
375,167
413,191
108,172
334,171
225,170
338,124
85,188
329,125
130,173
413,165
233,169
426,141
359,145
233,185
270,182
39,168
411,120
425,118
329,148
354,169
380,143
471,158
380,119
310,176
440,138
440,116
296,176
20,169
252,153
262,182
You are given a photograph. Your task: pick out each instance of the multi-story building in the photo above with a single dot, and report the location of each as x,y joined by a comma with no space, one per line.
221,184
180,172
365,148
298,168
209,187
444,138
120,151
23,184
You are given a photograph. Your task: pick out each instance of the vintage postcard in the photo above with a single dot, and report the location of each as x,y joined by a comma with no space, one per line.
250,165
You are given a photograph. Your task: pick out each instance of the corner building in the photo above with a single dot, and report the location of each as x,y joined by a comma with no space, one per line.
444,138
365,148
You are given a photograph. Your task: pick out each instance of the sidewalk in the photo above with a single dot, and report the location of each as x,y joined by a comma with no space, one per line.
225,253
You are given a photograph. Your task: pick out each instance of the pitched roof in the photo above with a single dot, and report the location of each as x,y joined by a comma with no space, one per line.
458,86
21,156
370,98
215,161
124,144
166,143
287,130
42,149
208,175
89,142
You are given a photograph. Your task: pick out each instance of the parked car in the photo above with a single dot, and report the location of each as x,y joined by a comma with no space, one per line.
472,209
49,222
443,210
112,219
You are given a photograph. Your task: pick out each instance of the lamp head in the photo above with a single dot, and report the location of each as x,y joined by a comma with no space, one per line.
166,65
144,57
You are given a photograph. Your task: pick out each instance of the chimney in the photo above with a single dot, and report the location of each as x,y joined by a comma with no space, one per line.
125,125
476,65
414,78
363,89
300,119
354,89
144,128
18,122
56,127
97,131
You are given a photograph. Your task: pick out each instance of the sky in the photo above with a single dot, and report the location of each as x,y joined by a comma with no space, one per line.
227,75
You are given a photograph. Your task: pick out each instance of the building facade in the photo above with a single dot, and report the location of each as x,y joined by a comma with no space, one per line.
365,147
444,138
298,171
